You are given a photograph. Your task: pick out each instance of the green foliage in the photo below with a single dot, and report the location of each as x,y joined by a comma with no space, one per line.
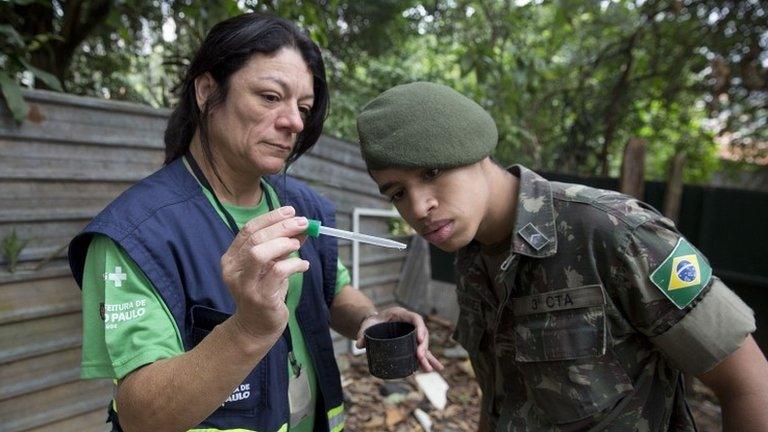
15,51
12,247
569,82
398,227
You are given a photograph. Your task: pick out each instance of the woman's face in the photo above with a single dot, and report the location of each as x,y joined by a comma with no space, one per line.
446,207
255,128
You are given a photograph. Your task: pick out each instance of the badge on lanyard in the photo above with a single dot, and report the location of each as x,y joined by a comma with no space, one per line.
299,395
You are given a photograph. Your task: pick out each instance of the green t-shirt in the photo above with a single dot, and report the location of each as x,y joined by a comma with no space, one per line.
126,324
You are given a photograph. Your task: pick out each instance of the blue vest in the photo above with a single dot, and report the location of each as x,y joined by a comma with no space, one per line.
169,228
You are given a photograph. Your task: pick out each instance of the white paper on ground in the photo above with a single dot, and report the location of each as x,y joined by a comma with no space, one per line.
423,419
434,386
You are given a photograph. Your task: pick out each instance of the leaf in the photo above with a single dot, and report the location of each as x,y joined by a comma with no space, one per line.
12,94
13,36
374,424
48,78
27,2
12,245
394,416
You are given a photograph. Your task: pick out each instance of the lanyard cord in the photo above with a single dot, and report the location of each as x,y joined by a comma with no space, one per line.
198,173
204,182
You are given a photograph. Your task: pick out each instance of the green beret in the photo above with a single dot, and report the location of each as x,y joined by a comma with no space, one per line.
424,125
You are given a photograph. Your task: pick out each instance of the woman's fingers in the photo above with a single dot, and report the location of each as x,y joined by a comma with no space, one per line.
292,227
259,223
273,250
274,279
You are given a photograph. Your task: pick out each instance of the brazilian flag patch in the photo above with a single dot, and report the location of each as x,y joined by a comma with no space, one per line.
683,274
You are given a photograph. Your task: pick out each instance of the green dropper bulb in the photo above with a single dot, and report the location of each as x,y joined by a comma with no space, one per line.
313,228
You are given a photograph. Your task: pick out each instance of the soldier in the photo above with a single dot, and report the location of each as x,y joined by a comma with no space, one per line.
581,308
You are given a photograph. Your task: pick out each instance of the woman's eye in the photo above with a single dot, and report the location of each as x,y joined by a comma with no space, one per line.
304,110
269,97
431,173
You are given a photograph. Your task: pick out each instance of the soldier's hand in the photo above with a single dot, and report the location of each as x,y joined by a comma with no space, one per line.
256,268
427,360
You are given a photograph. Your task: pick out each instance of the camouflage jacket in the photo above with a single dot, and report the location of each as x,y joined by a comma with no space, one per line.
604,305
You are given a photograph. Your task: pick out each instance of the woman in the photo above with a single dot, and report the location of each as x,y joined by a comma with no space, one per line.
200,272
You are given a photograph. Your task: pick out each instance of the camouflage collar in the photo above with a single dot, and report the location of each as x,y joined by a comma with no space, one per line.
534,233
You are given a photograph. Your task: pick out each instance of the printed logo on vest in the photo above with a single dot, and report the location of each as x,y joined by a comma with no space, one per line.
241,392
117,277
123,312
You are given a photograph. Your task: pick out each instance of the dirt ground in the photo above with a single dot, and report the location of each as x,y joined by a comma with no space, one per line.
377,405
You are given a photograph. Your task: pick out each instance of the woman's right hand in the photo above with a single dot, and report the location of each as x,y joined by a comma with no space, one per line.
256,268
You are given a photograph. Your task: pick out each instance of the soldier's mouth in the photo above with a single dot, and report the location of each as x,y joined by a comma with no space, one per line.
440,232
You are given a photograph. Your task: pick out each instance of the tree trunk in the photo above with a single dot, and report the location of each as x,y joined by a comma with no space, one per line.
633,169
674,194
614,110
79,20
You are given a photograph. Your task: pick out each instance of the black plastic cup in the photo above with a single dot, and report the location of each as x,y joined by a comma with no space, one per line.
391,349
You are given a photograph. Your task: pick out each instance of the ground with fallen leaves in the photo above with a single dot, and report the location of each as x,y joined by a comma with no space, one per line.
373,404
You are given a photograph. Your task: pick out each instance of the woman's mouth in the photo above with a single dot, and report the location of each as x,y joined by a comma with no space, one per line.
280,147
439,232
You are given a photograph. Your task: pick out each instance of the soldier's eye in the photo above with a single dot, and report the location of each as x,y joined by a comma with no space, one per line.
432,173
397,196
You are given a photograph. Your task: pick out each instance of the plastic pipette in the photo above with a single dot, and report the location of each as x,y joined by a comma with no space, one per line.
316,228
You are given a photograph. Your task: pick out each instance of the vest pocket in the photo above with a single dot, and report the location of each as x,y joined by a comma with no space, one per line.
247,396
562,352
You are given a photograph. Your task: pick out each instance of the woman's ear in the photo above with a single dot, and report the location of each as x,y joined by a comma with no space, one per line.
204,87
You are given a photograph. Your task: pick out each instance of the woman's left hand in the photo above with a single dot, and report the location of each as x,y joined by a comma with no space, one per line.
427,360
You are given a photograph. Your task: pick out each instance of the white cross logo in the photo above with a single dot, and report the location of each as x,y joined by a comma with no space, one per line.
117,277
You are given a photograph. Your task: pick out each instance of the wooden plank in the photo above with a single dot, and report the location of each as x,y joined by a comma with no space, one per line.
380,293
318,171
93,421
347,200
48,151
54,404
20,340
104,124
29,189
52,97
391,268
117,120
52,270
24,212
38,373
54,130
339,152
38,298
55,161
38,201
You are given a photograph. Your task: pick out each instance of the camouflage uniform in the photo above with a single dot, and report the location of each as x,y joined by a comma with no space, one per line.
571,333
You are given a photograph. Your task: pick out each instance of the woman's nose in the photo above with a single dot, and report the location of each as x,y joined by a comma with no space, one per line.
291,119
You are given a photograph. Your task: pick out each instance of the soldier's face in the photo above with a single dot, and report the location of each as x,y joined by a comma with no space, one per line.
446,207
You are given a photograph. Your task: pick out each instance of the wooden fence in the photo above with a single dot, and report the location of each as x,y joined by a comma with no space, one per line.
58,169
